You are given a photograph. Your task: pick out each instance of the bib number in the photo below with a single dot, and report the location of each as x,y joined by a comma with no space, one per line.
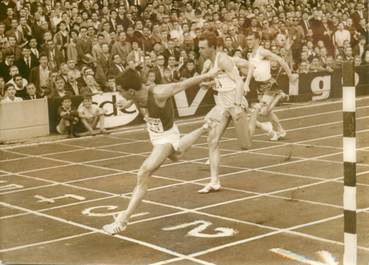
154,125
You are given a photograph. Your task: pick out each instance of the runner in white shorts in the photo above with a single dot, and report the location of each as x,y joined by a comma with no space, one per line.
164,134
268,91
230,104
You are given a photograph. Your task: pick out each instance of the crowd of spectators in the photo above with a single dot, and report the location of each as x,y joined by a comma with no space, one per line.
57,48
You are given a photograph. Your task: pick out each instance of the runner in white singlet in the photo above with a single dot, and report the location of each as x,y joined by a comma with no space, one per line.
268,91
230,104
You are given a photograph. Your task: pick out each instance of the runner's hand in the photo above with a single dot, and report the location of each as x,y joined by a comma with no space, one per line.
213,73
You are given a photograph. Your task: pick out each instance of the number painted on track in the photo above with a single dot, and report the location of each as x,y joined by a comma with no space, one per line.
95,211
202,225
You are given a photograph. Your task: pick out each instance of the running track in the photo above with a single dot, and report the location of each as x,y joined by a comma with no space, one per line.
279,195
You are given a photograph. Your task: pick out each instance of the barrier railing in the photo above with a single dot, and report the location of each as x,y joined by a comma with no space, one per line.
25,119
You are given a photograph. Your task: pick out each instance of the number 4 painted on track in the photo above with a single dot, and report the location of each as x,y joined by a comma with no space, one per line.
201,225
327,257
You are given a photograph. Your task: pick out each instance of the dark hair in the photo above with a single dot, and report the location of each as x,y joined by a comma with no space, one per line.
17,75
211,37
253,33
130,79
66,98
59,77
87,96
8,85
43,55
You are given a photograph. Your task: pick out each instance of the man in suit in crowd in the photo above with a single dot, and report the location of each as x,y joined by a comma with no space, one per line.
55,55
26,63
39,75
5,66
14,31
31,92
33,46
116,67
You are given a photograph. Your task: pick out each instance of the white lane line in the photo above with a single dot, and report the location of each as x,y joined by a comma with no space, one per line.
195,181
62,206
305,145
166,261
46,242
54,184
95,230
98,160
279,231
228,218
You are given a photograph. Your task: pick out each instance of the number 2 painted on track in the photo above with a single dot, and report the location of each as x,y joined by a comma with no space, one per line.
202,225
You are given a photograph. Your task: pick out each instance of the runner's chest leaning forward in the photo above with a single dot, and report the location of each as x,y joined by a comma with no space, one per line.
159,119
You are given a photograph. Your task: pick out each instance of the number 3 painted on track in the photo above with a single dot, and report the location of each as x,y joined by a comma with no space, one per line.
201,226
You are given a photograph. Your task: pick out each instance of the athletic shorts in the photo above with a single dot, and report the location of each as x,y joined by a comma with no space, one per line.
171,136
218,114
222,115
268,87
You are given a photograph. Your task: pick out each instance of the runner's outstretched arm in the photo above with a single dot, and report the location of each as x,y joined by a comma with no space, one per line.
280,60
163,92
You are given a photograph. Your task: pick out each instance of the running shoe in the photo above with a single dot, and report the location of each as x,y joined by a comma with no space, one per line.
282,133
284,96
114,228
210,187
274,136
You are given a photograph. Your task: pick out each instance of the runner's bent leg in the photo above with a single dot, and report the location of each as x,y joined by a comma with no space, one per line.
267,102
152,163
187,141
253,122
241,125
277,98
275,121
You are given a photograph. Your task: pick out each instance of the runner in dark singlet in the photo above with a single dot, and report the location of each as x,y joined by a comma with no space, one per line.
157,104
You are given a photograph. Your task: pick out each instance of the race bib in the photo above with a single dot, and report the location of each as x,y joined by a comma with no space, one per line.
154,125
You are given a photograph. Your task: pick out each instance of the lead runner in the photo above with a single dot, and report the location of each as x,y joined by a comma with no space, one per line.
229,104
163,132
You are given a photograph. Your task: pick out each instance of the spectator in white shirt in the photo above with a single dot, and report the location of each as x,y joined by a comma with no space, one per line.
340,36
91,115
19,84
10,94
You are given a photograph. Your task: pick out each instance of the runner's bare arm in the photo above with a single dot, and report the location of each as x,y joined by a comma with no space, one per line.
227,65
268,54
163,92
246,87
240,62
